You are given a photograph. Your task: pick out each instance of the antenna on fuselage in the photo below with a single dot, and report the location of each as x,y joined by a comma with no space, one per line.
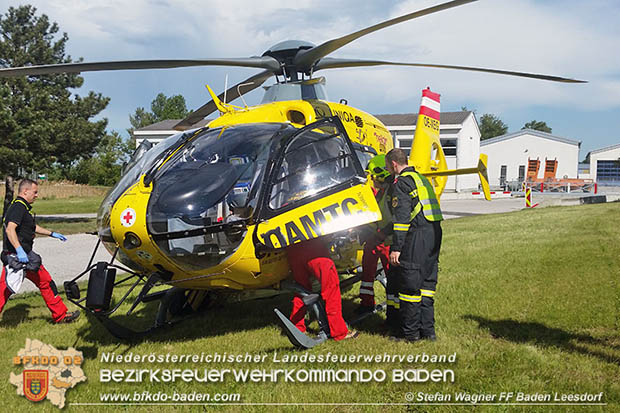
240,94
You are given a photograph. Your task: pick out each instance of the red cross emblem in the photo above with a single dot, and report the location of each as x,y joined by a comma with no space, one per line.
128,217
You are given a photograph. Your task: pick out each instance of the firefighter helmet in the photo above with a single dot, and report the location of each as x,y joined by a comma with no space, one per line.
377,169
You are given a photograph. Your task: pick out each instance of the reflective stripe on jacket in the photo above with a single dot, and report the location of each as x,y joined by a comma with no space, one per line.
429,204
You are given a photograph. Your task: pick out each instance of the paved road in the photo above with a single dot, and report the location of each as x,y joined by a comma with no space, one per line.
455,208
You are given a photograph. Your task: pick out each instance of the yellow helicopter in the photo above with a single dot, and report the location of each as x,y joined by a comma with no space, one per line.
208,211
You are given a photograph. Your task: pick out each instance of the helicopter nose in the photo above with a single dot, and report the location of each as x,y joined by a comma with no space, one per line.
128,227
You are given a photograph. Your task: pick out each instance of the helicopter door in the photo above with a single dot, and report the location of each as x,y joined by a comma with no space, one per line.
316,186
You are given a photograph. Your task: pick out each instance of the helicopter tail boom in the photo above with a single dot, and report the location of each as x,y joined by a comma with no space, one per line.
481,170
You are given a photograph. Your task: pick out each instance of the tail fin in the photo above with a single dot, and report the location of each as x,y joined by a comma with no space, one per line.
427,155
426,152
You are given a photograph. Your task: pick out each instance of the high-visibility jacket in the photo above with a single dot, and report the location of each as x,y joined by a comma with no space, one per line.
414,205
429,204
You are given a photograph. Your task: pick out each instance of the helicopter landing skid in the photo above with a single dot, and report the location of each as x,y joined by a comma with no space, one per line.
313,302
98,300
166,315
299,339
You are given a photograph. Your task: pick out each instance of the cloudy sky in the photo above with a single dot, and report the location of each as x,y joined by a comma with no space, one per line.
577,39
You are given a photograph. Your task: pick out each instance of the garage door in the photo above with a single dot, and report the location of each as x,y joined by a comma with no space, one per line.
608,172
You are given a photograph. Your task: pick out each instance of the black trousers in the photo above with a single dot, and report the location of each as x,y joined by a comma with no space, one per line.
392,319
417,280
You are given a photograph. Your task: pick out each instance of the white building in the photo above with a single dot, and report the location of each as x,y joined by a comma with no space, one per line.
508,155
459,136
605,165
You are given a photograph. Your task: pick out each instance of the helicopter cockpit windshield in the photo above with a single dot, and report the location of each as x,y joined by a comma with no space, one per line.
212,180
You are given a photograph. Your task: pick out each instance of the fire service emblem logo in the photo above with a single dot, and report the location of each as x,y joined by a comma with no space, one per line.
35,384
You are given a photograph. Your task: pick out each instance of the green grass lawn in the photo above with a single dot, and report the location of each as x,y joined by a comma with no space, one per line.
529,302
77,205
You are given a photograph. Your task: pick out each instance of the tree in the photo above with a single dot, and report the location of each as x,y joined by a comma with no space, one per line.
162,108
465,109
41,123
104,168
491,126
537,125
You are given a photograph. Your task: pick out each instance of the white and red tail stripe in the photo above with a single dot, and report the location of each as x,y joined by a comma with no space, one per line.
430,104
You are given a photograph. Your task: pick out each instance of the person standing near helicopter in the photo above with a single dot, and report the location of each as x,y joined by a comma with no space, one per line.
311,258
19,230
377,238
415,247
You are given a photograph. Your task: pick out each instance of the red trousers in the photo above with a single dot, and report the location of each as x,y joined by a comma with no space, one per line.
372,254
43,280
311,258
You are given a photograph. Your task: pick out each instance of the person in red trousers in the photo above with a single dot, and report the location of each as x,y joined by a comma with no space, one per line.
311,259
377,236
19,228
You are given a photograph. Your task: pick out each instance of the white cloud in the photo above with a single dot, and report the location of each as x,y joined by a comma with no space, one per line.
568,38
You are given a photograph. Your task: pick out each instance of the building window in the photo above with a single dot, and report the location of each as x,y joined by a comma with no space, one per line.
449,146
405,143
521,173
502,175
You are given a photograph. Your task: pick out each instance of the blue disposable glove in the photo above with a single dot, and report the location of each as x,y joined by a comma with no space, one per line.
21,255
58,235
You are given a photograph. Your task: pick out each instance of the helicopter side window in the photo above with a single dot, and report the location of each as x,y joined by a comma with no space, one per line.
212,180
364,153
313,162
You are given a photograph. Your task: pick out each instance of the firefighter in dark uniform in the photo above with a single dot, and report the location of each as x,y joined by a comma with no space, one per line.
19,228
415,246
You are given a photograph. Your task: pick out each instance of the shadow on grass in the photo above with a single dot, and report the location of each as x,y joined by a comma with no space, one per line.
215,321
543,336
15,315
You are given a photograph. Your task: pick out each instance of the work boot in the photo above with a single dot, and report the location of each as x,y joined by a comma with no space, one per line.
351,334
70,317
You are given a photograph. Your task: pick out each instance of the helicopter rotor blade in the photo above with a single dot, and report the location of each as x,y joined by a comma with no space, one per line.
334,63
232,93
265,62
306,58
